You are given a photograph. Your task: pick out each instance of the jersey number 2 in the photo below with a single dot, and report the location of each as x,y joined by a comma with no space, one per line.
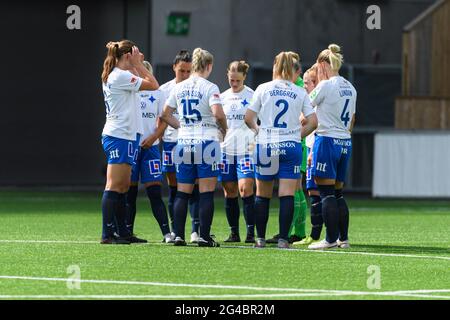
188,110
345,116
285,105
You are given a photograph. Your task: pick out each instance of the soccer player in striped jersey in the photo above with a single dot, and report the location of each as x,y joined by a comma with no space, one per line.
279,104
197,154
122,77
182,65
335,99
147,167
237,168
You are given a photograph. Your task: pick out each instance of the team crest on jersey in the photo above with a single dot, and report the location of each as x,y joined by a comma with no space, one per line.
234,107
167,158
143,105
155,166
246,165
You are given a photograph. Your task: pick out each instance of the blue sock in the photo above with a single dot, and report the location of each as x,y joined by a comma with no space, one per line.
316,217
344,215
120,215
131,208
330,212
206,212
158,208
194,209
249,214
286,216
180,213
262,206
170,203
232,211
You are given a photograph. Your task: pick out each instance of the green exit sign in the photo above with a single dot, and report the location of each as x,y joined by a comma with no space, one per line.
178,23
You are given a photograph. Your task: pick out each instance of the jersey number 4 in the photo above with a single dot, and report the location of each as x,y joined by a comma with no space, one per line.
189,111
345,114
285,105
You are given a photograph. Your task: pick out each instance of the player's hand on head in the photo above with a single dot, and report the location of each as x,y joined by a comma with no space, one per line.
135,56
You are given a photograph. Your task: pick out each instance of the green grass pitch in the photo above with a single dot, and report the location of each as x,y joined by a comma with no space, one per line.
399,250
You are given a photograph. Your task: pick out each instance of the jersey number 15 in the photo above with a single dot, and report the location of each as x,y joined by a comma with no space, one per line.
189,110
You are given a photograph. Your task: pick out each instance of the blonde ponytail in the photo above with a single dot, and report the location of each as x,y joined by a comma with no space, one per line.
332,56
201,59
285,65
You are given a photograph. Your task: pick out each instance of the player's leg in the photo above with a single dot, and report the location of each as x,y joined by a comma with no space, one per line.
207,173
194,212
118,174
344,215
152,179
264,190
232,210
246,182
297,230
324,172
246,190
168,168
228,177
186,175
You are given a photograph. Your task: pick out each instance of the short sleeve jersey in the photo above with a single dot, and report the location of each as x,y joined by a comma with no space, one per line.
170,134
151,107
122,102
239,138
279,104
193,99
335,99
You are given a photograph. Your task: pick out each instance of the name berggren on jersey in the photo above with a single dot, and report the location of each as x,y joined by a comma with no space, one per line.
282,93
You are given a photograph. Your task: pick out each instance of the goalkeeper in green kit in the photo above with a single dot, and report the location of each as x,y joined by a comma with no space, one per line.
297,231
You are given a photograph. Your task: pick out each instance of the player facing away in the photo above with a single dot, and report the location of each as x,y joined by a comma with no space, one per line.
197,154
147,167
237,167
335,100
279,104
182,65
310,82
123,76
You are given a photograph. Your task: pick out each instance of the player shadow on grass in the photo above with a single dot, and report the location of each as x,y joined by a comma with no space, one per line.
400,249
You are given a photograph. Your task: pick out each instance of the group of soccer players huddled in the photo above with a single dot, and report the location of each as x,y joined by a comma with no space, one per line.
189,132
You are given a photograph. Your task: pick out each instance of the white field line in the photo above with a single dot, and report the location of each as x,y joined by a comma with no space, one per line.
224,296
337,251
296,291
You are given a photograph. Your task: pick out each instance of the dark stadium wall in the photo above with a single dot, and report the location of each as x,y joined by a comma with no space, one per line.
51,98
52,104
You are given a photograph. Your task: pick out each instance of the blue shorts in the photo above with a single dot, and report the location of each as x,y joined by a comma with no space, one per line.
119,151
148,166
234,168
167,157
331,157
196,159
280,160
310,183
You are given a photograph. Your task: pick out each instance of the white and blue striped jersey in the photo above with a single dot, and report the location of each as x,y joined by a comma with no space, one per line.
335,99
193,99
279,104
151,107
122,103
239,139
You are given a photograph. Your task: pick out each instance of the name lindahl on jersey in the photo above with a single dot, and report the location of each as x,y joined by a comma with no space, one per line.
235,116
282,93
190,94
344,93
